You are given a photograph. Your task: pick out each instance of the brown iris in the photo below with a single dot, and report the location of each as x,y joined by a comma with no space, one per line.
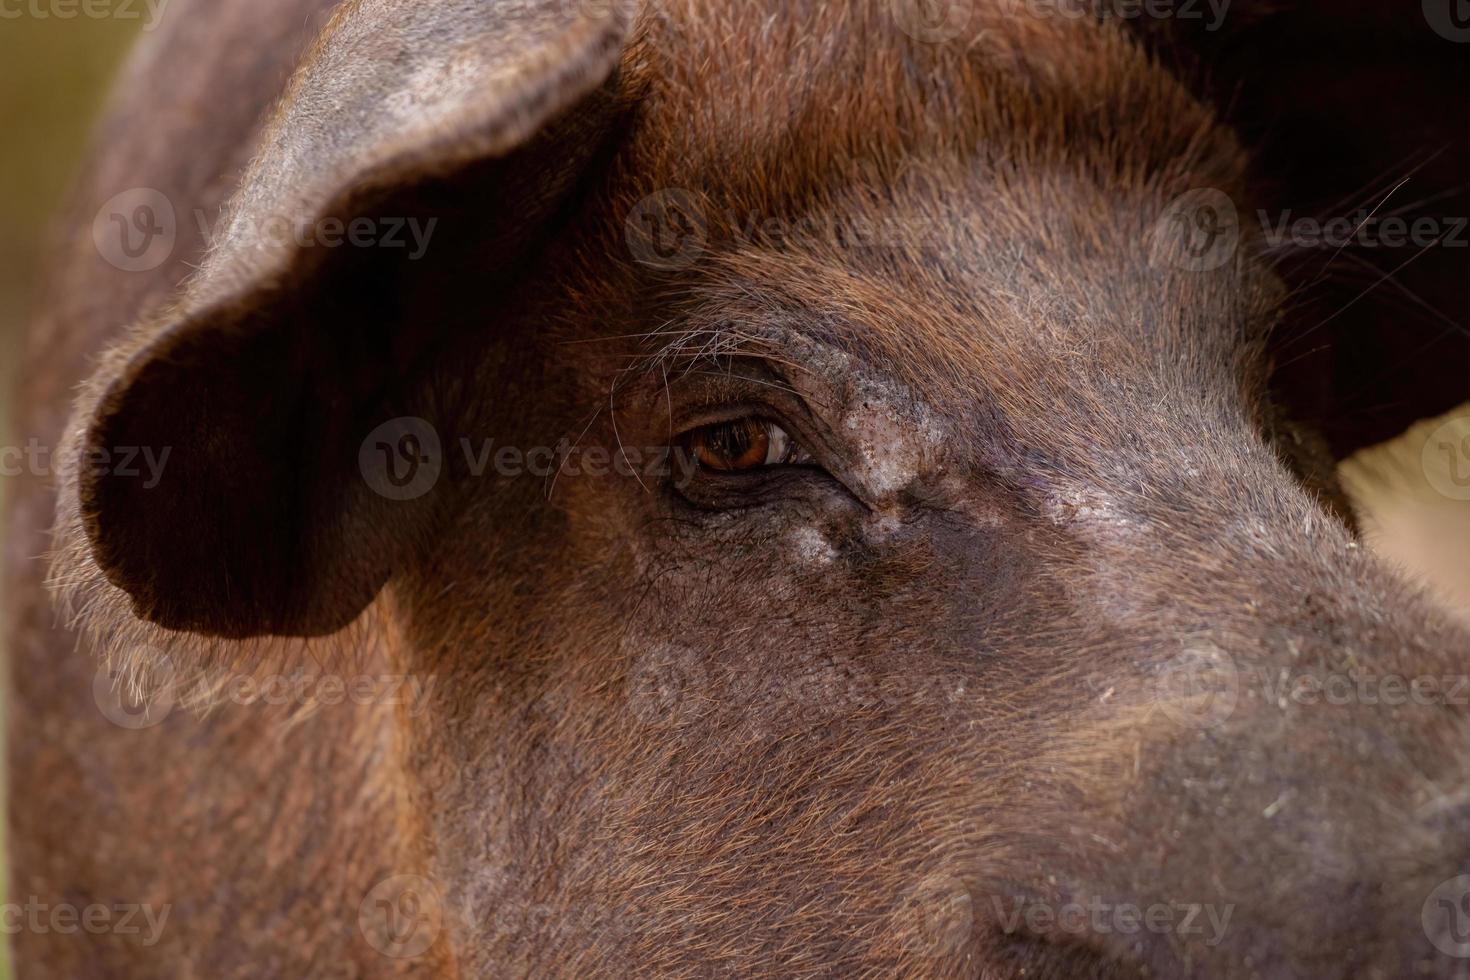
739,444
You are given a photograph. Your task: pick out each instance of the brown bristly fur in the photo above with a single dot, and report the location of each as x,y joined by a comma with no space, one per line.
833,721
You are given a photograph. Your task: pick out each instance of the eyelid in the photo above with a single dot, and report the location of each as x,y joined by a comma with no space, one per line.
698,402
712,446
753,388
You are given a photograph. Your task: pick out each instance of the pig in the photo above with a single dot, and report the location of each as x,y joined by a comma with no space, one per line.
737,489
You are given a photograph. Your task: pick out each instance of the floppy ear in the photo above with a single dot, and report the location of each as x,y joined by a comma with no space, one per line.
284,352
1351,107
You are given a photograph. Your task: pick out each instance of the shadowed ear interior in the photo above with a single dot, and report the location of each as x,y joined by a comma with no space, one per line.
282,354
1352,108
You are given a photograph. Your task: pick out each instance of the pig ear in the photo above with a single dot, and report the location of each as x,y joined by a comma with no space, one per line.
243,509
1350,109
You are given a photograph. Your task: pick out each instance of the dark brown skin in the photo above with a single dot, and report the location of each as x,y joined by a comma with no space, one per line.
845,714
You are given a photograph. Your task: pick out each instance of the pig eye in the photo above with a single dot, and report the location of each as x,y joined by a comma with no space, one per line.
743,444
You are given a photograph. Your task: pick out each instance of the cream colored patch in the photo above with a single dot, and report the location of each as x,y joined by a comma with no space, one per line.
810,547
883,525
1090,507
1109,586
894,435
888,462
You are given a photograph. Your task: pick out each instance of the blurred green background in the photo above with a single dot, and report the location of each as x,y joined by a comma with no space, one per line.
53,75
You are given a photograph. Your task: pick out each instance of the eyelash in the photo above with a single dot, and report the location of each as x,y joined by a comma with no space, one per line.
743,445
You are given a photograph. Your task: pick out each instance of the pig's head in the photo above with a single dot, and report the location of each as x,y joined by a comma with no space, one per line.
834,467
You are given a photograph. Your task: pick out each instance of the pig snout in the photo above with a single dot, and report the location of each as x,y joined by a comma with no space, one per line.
1273,776
1292,805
